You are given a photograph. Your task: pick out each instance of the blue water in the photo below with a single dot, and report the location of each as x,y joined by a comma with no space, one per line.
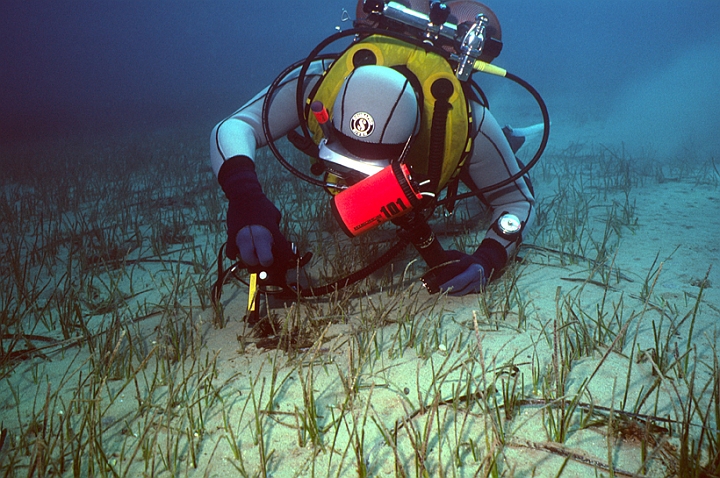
81,66
641,73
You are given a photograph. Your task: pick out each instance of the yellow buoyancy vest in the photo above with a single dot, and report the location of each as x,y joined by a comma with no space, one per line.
428,67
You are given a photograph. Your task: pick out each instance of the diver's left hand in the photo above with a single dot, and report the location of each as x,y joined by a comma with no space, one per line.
462,274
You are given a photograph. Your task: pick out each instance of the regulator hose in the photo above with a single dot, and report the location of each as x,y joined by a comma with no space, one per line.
223,275
524,170
364,31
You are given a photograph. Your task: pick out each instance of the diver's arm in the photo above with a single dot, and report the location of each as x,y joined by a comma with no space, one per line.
492,161
241,133
253,221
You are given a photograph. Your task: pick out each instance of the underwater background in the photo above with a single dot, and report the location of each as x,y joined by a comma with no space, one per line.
647,70
126,351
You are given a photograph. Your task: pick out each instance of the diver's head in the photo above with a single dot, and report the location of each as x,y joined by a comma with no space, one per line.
375,116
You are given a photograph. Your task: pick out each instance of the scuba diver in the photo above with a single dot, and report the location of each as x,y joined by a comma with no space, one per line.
389,123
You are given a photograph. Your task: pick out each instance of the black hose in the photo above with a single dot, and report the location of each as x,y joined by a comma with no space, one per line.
523,171
357,275
266,123
302,113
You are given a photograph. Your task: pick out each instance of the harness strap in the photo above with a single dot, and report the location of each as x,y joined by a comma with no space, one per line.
302,143
442,89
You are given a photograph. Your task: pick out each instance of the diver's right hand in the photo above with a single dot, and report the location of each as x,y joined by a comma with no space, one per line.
255,244
252,220
263,250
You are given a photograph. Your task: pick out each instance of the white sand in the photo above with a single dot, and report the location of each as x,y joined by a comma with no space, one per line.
401,382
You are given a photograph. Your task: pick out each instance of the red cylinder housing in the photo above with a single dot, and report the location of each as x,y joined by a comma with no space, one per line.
376,199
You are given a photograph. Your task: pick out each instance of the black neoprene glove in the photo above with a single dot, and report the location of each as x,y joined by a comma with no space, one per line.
248,208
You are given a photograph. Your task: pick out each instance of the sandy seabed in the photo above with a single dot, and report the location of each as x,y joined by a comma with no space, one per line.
593,355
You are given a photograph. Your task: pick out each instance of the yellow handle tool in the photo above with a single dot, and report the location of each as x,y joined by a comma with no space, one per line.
253,311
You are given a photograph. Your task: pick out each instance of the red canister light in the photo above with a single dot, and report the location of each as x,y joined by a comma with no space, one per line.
376,199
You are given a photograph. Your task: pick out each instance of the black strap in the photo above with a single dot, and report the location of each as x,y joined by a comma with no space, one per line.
441,89
303,144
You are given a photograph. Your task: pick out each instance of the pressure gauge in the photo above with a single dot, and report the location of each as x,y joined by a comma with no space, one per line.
508,226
